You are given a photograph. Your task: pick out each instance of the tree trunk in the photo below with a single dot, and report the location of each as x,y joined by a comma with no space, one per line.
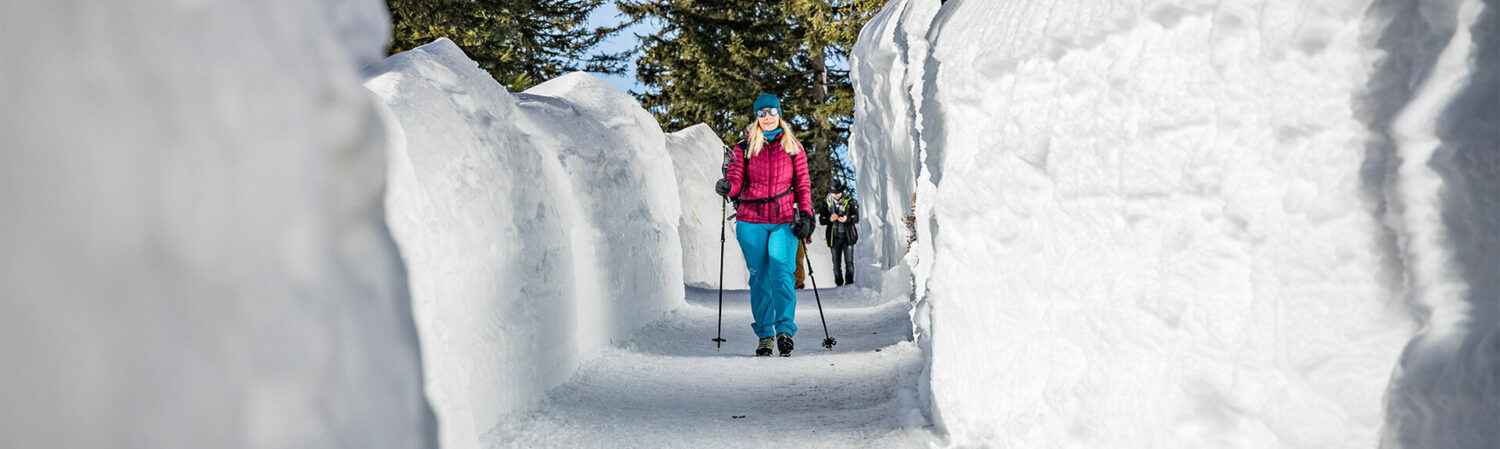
820,97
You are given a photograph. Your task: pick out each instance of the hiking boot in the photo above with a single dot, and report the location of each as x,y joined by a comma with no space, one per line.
783,344
765,347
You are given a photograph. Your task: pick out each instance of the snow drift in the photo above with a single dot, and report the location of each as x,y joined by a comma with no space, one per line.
195,251
536,226
1188,224
698,156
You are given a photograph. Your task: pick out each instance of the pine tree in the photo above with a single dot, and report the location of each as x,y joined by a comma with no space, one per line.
832,27
519,42
711,58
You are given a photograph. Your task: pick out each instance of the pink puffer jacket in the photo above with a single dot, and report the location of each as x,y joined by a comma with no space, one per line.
771,172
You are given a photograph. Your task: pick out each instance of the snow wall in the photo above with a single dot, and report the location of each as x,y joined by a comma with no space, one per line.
536,226
698,156
1192,224
195,248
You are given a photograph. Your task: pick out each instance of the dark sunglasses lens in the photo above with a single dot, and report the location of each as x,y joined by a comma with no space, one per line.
765,112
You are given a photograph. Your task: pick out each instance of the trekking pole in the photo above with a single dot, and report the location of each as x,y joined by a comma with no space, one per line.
723,219
828,341
719,340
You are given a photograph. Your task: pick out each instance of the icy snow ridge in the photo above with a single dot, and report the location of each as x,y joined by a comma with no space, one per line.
537,228
1163,224
1446,204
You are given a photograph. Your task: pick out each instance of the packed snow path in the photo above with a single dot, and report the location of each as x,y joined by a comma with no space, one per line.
667,386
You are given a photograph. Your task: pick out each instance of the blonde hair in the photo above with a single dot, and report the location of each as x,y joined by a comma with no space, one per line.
756,140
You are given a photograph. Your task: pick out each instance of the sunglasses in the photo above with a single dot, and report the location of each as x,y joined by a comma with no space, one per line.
767,111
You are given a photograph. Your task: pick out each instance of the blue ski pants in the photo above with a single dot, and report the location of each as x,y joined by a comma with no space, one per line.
770,254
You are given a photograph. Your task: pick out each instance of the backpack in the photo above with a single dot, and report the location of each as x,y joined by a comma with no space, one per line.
853,228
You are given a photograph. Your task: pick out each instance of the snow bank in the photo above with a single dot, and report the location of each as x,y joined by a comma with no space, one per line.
1161,224
887,60
195,252
698,156
536,227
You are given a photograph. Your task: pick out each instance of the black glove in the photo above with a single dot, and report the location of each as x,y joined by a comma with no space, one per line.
722,187
802,226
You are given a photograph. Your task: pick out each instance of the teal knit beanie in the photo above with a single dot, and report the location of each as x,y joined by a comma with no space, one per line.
767,101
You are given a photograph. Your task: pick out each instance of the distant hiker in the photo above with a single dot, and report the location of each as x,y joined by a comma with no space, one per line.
767,178
839,215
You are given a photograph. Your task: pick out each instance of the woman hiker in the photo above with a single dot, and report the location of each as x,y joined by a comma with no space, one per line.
767,177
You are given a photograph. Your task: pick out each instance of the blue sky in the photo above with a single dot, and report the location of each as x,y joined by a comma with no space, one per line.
624,40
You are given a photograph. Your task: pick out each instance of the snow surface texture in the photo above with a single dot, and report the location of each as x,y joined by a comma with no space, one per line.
1163,224
195,247
537,227
698,156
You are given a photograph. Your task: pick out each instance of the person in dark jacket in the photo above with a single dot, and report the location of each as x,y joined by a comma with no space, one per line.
767,178
839,216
